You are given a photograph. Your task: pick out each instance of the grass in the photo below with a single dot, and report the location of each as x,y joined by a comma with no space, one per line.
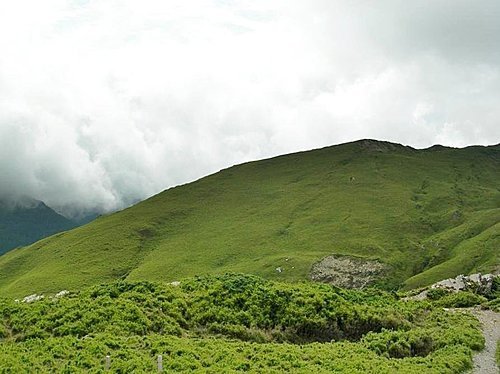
234,323
181,355
427,214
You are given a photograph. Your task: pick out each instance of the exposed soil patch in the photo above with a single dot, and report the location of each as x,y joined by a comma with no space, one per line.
484,361
347,272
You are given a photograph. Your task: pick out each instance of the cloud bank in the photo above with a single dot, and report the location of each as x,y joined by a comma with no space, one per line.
105,102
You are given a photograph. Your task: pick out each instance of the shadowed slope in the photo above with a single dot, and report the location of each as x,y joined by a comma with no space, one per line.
23,225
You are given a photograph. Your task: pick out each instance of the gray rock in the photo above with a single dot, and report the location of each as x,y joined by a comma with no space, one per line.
477,283
32,298
61,294
475,278
347,271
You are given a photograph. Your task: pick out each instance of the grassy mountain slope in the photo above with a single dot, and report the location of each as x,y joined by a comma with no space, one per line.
427,214
23,225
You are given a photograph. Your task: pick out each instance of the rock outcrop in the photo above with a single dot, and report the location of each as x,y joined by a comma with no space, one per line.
347,271
477,283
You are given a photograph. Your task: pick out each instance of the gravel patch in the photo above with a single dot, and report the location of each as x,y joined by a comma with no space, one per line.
484,361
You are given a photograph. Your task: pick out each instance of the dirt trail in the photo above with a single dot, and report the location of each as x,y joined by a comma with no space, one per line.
484,361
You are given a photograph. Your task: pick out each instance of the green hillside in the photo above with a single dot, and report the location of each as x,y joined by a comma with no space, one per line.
425,214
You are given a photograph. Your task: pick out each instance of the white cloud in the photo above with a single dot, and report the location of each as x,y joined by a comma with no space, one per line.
106,102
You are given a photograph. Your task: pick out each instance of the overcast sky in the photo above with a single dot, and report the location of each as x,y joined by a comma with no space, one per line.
105,102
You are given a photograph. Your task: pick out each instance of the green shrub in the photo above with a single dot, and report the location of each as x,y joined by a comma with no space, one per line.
461,300
495,287
493,304
338,330
437,293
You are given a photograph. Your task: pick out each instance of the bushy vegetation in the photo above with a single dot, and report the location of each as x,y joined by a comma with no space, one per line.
215,355
494,297
235,306
462,299
234,323
437,293
427,214
493,304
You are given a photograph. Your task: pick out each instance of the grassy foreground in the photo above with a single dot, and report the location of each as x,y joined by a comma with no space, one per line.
234,323
427,214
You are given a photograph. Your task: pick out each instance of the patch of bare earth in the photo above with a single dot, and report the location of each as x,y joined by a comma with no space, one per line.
347,271
484,361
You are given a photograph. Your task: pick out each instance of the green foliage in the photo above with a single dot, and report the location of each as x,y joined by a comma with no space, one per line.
119,308
437,293
438,331
495,287
234,322
461,300
215,355
493,304
428,214
234,305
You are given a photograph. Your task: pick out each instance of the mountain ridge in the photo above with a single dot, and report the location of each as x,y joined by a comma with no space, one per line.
427,215
25,221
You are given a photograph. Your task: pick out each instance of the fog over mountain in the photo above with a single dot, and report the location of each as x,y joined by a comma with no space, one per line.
104,103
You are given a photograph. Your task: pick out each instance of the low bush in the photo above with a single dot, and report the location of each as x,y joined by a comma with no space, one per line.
460,300
437,293
337,330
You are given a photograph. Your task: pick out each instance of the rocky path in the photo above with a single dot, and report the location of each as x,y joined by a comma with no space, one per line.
484,361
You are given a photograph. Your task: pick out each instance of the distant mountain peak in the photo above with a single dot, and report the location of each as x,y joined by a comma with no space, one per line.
26,220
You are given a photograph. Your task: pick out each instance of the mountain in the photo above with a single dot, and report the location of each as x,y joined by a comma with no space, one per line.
25,223
362,212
